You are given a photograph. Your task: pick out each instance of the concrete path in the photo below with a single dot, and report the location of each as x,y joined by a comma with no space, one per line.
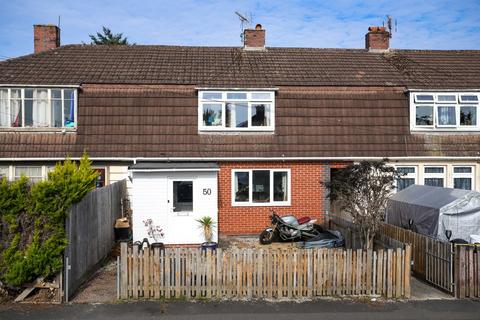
322,309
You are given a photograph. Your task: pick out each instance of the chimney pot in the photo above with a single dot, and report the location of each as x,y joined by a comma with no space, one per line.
254,39
45,37
377,39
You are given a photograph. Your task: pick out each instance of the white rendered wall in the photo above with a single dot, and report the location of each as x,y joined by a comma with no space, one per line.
150,195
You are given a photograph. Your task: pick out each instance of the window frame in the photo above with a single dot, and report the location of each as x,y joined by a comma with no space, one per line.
50,99
38,178
271,203
435,175
470,175
436,104
249,101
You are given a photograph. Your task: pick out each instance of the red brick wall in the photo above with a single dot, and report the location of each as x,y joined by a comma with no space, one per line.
307,196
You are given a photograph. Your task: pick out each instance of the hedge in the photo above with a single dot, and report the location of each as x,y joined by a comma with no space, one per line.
33,220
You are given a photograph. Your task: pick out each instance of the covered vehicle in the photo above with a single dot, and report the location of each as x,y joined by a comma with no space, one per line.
436,211
289,228
326,239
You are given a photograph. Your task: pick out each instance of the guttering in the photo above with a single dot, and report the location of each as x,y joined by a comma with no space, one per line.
40,85
176,170
442,90
186,159
235,89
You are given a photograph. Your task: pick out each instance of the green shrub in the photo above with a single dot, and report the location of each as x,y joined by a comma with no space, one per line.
35,218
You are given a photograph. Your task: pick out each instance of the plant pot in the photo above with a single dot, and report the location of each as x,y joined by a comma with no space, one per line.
209,246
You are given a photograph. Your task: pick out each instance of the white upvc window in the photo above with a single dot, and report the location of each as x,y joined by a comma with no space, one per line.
434,176
236,110
34,173
463,177
261,187
38,107
408,178
444,111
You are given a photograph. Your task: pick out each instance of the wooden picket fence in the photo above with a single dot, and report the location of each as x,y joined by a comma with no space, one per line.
262,273
433,259
467,271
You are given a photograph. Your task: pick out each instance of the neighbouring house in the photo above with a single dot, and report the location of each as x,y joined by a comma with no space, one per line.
233,132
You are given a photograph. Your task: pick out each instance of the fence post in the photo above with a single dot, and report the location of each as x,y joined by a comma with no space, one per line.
407,270
123,270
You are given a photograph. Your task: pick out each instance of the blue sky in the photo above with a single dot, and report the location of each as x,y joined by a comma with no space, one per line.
429,24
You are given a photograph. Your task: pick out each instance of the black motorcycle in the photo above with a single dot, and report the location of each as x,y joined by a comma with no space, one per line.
289,228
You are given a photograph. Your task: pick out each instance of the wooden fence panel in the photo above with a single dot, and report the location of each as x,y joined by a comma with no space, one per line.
467,271
248,273
90,233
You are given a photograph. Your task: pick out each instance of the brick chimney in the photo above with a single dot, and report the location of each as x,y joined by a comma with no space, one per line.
254,39
377,39
45,37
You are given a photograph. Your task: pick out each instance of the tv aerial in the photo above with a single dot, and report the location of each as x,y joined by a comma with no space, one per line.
244,22
390,25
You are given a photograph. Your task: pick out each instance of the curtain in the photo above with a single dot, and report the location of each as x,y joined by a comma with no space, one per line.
4,110
268,115
15,108
280,183
34,173
446,116
434,182
40,110
462,183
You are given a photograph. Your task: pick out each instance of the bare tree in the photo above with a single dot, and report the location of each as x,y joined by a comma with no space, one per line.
362,191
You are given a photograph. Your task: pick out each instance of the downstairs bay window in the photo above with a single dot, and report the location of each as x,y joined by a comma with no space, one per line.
236,110
38,107
260,187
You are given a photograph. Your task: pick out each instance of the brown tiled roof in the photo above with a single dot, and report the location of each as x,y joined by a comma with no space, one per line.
161,121
229,66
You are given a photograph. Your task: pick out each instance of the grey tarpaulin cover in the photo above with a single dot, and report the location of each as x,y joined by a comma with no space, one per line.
434,210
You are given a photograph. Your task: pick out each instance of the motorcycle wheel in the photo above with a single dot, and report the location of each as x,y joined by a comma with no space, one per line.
266,237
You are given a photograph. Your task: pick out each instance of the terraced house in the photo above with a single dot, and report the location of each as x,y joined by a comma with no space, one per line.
232,132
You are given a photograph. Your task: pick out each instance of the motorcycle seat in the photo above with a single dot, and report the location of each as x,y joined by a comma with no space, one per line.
303,220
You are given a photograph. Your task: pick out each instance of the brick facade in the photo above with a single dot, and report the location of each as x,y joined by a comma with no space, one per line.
308,196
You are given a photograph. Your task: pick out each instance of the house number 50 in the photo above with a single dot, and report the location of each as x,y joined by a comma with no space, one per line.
207,192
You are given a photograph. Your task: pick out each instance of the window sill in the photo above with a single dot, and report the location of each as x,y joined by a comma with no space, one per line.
236,132
267,204
38,130
445,129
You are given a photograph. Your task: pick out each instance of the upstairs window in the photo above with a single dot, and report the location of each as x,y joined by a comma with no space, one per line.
444,111
236,111
37,108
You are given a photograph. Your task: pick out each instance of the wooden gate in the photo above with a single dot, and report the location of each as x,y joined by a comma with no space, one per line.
439,263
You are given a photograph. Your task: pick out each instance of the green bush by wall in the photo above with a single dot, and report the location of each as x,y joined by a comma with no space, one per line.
33,220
